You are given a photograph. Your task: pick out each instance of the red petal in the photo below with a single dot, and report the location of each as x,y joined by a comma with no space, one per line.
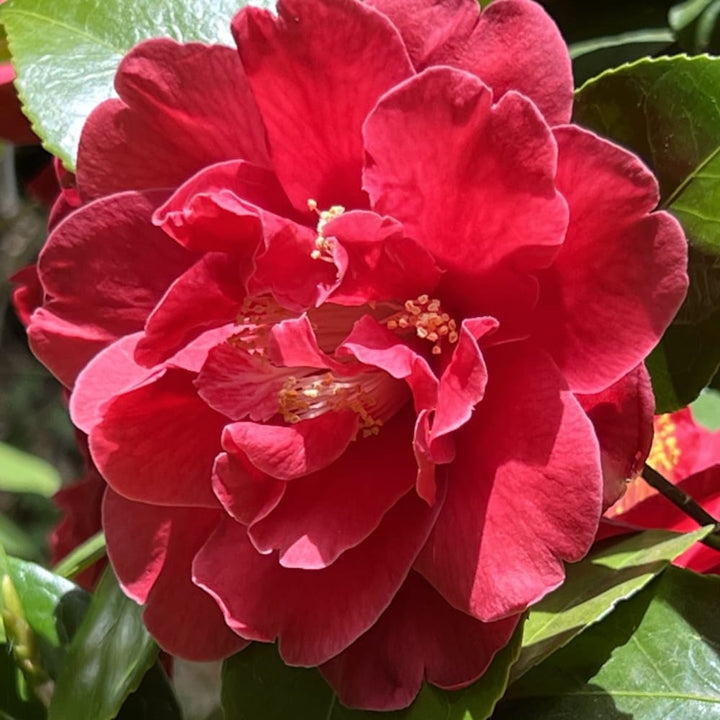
157,443
207,295
620,276
513,45
437,133
308,609
622,417
103,270
28,293
323,515
419,637
382,263
285,452
316,70
183,107
524,492
152,549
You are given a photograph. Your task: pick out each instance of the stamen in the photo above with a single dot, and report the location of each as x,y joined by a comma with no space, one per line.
255,319
425,316
324,247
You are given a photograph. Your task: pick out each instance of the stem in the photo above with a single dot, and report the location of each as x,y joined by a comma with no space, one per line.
82,557
682,500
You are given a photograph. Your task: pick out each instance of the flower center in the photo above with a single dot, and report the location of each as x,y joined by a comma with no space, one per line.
665,453
255,319
425,316
374,397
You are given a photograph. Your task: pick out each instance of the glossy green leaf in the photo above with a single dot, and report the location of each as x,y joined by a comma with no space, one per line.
22,472
706,409
257,685
106,660
614,571
666,110
654,658
66,53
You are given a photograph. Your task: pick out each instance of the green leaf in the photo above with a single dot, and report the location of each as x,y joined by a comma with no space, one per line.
106,660
82,557
665,109
16,541
706,409
695,24
612,572
66,53
257,685
654,658
22,472
12,705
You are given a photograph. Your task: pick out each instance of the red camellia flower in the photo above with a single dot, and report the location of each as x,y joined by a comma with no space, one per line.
354,320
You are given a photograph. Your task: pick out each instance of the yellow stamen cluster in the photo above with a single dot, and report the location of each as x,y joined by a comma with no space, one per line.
255,318
665,453
425,316
305,398
324,246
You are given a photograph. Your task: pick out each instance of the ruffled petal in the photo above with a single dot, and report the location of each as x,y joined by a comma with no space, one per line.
316,70
103,269
157,443
324,514
513,45
156,135
419,637
440,130
524,491
183,619
307,609
620,276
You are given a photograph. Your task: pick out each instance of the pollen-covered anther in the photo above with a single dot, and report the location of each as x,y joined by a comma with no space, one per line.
305,398
665,453
324,247
255,318
425,316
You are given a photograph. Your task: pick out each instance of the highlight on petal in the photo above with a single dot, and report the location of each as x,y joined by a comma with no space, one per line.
508,221
524,491
620,276
315,87
156,135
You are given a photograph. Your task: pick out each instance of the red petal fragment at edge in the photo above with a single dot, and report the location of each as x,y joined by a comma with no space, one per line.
381,262
622,417
289,451
28,293
157,443
316,70
453,32
183,619
131,263
308,609
620,276
524,490
439,130
157,134
14,126
419,637
207,295
324,514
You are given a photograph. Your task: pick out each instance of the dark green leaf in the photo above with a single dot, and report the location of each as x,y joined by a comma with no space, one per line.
666,111
12,706
614,571
22,472
654,658
107,658
66,53
257,685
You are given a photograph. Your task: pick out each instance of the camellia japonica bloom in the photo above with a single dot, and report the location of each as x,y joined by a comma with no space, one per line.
355,321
